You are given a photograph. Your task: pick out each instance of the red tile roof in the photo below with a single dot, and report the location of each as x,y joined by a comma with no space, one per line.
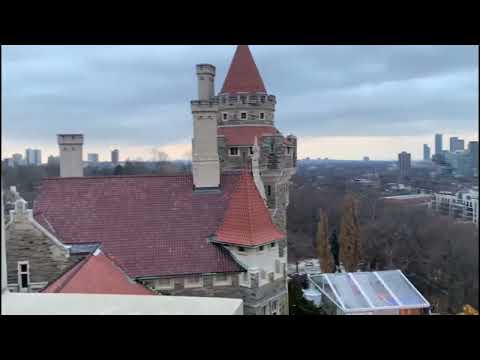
96,274
149,225
247,220
245,135
243,75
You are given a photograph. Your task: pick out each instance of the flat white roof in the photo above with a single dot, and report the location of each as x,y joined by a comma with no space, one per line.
90,304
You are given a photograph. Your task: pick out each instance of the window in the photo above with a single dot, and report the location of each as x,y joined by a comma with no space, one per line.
241,249
262,99
222,279
262,116
234,151
193,281
23,269
243,99
164,284
243,115
269,190
272,245
288,150
251,150
274,307
272,148
225,116
260,248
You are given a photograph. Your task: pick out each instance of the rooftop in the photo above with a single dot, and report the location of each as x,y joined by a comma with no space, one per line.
149,225
96,274
243,74
88,304
369,291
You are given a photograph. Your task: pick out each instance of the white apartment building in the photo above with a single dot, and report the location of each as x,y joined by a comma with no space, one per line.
462,205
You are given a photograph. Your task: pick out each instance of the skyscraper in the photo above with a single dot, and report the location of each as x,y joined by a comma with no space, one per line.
438,144
426,152
456,144
473,150
33,156
404,163
115,156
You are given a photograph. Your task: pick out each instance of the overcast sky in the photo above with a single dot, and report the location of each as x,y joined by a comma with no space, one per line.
342,102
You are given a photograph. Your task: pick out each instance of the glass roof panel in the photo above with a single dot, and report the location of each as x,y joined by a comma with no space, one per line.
374,290
348,291
402,289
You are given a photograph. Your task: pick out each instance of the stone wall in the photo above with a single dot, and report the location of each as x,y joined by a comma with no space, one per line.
254,298
25,242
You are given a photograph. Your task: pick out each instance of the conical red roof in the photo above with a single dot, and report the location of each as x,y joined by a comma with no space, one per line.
247,221
243,75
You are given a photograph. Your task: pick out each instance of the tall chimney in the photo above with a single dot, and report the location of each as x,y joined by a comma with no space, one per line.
71,154
205,162
206,81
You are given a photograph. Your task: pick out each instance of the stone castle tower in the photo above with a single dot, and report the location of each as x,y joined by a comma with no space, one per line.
245,119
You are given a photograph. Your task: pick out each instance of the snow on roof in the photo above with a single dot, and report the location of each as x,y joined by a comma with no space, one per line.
367,291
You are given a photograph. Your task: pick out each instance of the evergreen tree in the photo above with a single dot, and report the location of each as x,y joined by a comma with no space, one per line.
118,170
327,263
335,247
350,235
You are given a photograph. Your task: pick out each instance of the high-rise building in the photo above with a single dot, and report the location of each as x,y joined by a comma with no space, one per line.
18,159
92,158
33,157
456,144
426,152
438,144
473,150
115,156
53,160
404,163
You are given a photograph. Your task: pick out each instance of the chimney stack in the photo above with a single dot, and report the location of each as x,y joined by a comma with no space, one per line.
71,155
205,161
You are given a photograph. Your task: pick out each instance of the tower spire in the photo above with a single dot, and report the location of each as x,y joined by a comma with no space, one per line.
243,74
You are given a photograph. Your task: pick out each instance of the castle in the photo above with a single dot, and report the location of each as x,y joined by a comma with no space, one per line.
219,232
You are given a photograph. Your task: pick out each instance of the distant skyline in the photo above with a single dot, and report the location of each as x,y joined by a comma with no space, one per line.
342,102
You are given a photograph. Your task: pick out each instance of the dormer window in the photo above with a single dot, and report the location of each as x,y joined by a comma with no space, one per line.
234,151
262,116
243,116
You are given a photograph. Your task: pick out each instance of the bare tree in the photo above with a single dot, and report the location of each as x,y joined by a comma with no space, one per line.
324,250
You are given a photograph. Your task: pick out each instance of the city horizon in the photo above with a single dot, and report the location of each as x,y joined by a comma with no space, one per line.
374,111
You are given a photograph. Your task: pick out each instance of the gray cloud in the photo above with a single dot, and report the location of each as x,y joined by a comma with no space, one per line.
141,94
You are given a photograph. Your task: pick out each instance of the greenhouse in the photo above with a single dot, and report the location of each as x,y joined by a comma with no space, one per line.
369,293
